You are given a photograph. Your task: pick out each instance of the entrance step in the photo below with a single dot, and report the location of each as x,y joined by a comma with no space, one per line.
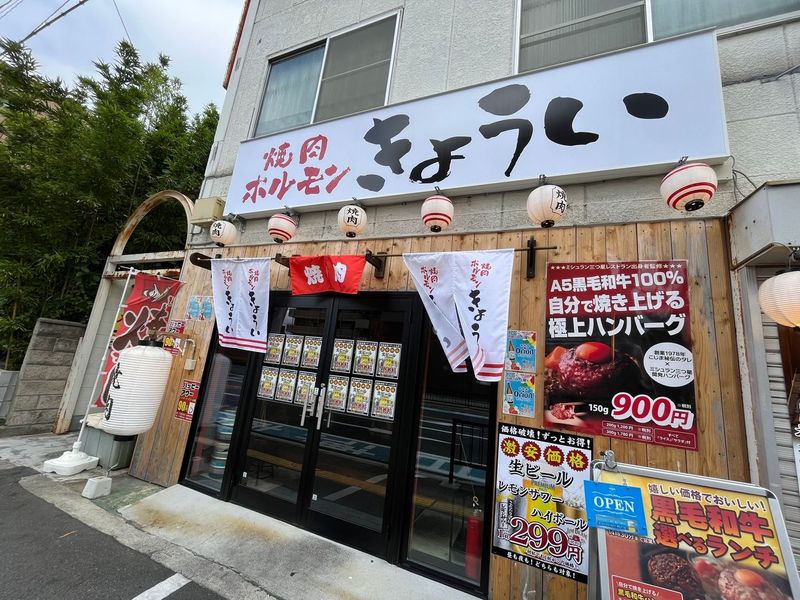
285,561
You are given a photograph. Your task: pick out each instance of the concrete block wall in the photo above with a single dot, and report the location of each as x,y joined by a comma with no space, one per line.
43,375
448,44
8,383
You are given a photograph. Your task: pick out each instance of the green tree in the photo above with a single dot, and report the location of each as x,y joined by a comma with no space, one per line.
74,162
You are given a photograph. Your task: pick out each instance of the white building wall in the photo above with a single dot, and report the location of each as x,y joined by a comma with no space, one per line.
448,44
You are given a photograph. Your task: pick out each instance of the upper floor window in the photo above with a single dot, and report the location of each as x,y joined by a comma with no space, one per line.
345,74
557,31
673,17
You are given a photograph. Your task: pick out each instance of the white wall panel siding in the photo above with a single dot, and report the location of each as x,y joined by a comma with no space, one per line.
782,434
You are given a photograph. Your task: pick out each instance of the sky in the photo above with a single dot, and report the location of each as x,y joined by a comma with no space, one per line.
197,35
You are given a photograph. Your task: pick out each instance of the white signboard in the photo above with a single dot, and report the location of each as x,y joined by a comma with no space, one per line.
641,109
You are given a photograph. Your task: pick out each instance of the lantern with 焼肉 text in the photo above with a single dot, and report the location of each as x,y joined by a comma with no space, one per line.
223,233
135,388
352,220
546,205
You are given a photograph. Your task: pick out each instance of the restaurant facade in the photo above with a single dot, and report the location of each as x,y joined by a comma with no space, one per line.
353,421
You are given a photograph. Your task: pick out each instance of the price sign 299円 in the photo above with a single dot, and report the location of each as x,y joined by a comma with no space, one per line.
618,347
540,515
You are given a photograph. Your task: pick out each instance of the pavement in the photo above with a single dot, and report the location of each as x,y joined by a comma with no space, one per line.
145,542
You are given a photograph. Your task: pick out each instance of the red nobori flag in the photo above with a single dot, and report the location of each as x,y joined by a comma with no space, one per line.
315,274
148,307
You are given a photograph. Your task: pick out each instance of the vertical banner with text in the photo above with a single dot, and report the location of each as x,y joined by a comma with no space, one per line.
618,351
540,515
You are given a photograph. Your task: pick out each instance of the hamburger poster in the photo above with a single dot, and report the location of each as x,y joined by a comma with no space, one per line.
704,541
618,352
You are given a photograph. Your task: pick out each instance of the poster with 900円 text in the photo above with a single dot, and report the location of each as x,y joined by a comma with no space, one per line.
618,352
540,516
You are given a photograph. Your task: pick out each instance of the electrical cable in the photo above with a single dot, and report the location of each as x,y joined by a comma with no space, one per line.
51,14
13,4
121,20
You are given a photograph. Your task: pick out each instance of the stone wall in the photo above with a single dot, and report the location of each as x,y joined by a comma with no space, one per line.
8,383
43,376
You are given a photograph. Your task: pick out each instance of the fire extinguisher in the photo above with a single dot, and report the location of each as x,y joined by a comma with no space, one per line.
472,558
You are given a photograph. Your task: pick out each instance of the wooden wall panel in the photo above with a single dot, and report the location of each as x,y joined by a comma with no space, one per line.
702,242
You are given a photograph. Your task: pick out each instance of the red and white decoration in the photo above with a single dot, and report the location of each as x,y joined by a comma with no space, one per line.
281,227
315,274
241,302
546,205
689,187
437,212
147,308
466,296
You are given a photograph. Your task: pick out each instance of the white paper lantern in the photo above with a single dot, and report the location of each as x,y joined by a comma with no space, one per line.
779,298
135,388
437,212
281,227
223,233
689,187
546,205
352,220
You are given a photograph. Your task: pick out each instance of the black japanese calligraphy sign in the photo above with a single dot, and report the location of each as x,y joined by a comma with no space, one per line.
539,512
599,116
618,349
706,538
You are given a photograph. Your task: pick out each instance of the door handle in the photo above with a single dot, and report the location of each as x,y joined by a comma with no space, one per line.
320,407
305,407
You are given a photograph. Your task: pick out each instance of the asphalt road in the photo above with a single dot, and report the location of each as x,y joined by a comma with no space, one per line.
46,554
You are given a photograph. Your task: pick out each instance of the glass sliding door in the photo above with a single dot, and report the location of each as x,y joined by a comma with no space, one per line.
453,454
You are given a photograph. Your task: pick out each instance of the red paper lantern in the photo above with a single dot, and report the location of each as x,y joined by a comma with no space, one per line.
689,187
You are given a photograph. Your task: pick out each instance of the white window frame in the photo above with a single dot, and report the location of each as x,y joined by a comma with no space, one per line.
325,39
648,13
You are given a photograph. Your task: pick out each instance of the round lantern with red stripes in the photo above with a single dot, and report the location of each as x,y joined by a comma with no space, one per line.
437,212
281,227
689,187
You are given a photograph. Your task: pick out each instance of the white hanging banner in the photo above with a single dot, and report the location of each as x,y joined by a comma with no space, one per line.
466,296
433,276
481,296
241,302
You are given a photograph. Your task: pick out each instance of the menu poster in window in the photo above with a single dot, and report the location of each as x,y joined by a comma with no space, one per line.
268,383
292,348
384,398
312,347
389,360
519,394
306,381
336,396
287,379
342,355
521,351
274,348
364,359
540,515
705,538
359,396
618,352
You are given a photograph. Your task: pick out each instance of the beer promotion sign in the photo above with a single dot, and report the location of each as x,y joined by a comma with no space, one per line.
705,539
540,516
618,349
